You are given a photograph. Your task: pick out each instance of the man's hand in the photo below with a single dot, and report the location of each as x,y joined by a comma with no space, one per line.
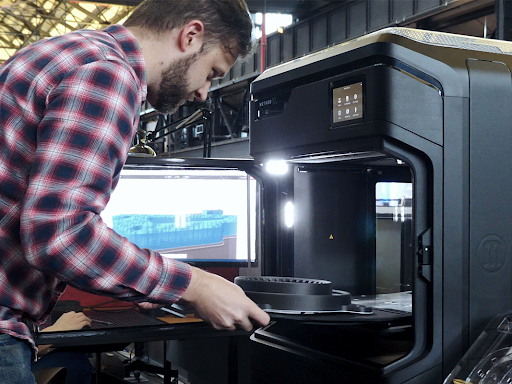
222,303
146,305
69,321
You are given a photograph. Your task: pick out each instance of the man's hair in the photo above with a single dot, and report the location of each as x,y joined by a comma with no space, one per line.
226,22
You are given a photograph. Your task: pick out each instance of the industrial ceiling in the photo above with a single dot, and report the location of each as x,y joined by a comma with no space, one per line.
25,21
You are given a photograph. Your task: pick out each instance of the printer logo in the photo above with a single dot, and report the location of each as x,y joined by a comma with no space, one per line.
492,253
267,102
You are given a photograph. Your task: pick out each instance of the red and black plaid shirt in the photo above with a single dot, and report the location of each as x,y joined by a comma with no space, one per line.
69,108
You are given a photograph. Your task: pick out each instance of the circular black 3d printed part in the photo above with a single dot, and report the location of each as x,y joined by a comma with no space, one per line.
289,285
293,294
300,303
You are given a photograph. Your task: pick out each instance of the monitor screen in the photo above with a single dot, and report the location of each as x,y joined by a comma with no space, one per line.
195,215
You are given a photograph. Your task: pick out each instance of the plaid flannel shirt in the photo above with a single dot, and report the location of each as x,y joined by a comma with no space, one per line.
69,108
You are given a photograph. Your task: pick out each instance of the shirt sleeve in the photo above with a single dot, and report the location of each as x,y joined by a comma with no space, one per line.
83,141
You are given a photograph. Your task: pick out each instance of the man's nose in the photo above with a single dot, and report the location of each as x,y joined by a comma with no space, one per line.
202,93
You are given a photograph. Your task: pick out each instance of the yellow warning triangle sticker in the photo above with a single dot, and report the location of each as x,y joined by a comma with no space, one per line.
331,237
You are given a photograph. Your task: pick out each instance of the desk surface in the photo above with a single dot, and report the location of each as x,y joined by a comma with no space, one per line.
129,326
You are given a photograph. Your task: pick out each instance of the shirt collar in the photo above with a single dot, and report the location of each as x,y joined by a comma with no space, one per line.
133,52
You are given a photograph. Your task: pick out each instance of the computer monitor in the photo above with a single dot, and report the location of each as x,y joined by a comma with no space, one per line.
202,215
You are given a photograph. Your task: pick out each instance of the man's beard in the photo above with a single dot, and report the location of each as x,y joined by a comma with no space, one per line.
173,91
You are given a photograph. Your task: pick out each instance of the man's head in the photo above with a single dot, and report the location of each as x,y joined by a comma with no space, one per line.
226,22
188,43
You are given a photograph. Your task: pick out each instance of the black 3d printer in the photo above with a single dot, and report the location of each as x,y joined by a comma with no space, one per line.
428,115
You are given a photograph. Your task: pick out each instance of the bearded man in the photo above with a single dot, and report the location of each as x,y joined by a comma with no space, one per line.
69,109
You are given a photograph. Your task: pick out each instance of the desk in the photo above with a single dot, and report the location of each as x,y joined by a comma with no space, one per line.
101,338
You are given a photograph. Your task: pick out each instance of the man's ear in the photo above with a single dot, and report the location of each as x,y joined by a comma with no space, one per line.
191,36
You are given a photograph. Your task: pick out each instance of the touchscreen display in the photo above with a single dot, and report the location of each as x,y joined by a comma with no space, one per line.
347,103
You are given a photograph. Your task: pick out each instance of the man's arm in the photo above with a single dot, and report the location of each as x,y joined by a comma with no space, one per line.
222,303
82,143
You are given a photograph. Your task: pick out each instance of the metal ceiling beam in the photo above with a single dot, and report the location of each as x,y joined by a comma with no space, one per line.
24,22
19,18
271,6
128,3
37,30
503,20
7,44
293,7
54,18
13,31
90,14
460,12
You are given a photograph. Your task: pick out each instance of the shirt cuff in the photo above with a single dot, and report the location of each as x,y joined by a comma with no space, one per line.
174,280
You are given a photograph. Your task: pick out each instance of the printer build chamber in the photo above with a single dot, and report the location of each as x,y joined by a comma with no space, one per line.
424,112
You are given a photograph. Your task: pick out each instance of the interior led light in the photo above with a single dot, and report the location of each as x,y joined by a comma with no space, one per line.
276,167
288,214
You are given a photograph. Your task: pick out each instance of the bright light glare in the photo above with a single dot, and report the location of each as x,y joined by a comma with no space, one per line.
272,22
288,214
276,167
